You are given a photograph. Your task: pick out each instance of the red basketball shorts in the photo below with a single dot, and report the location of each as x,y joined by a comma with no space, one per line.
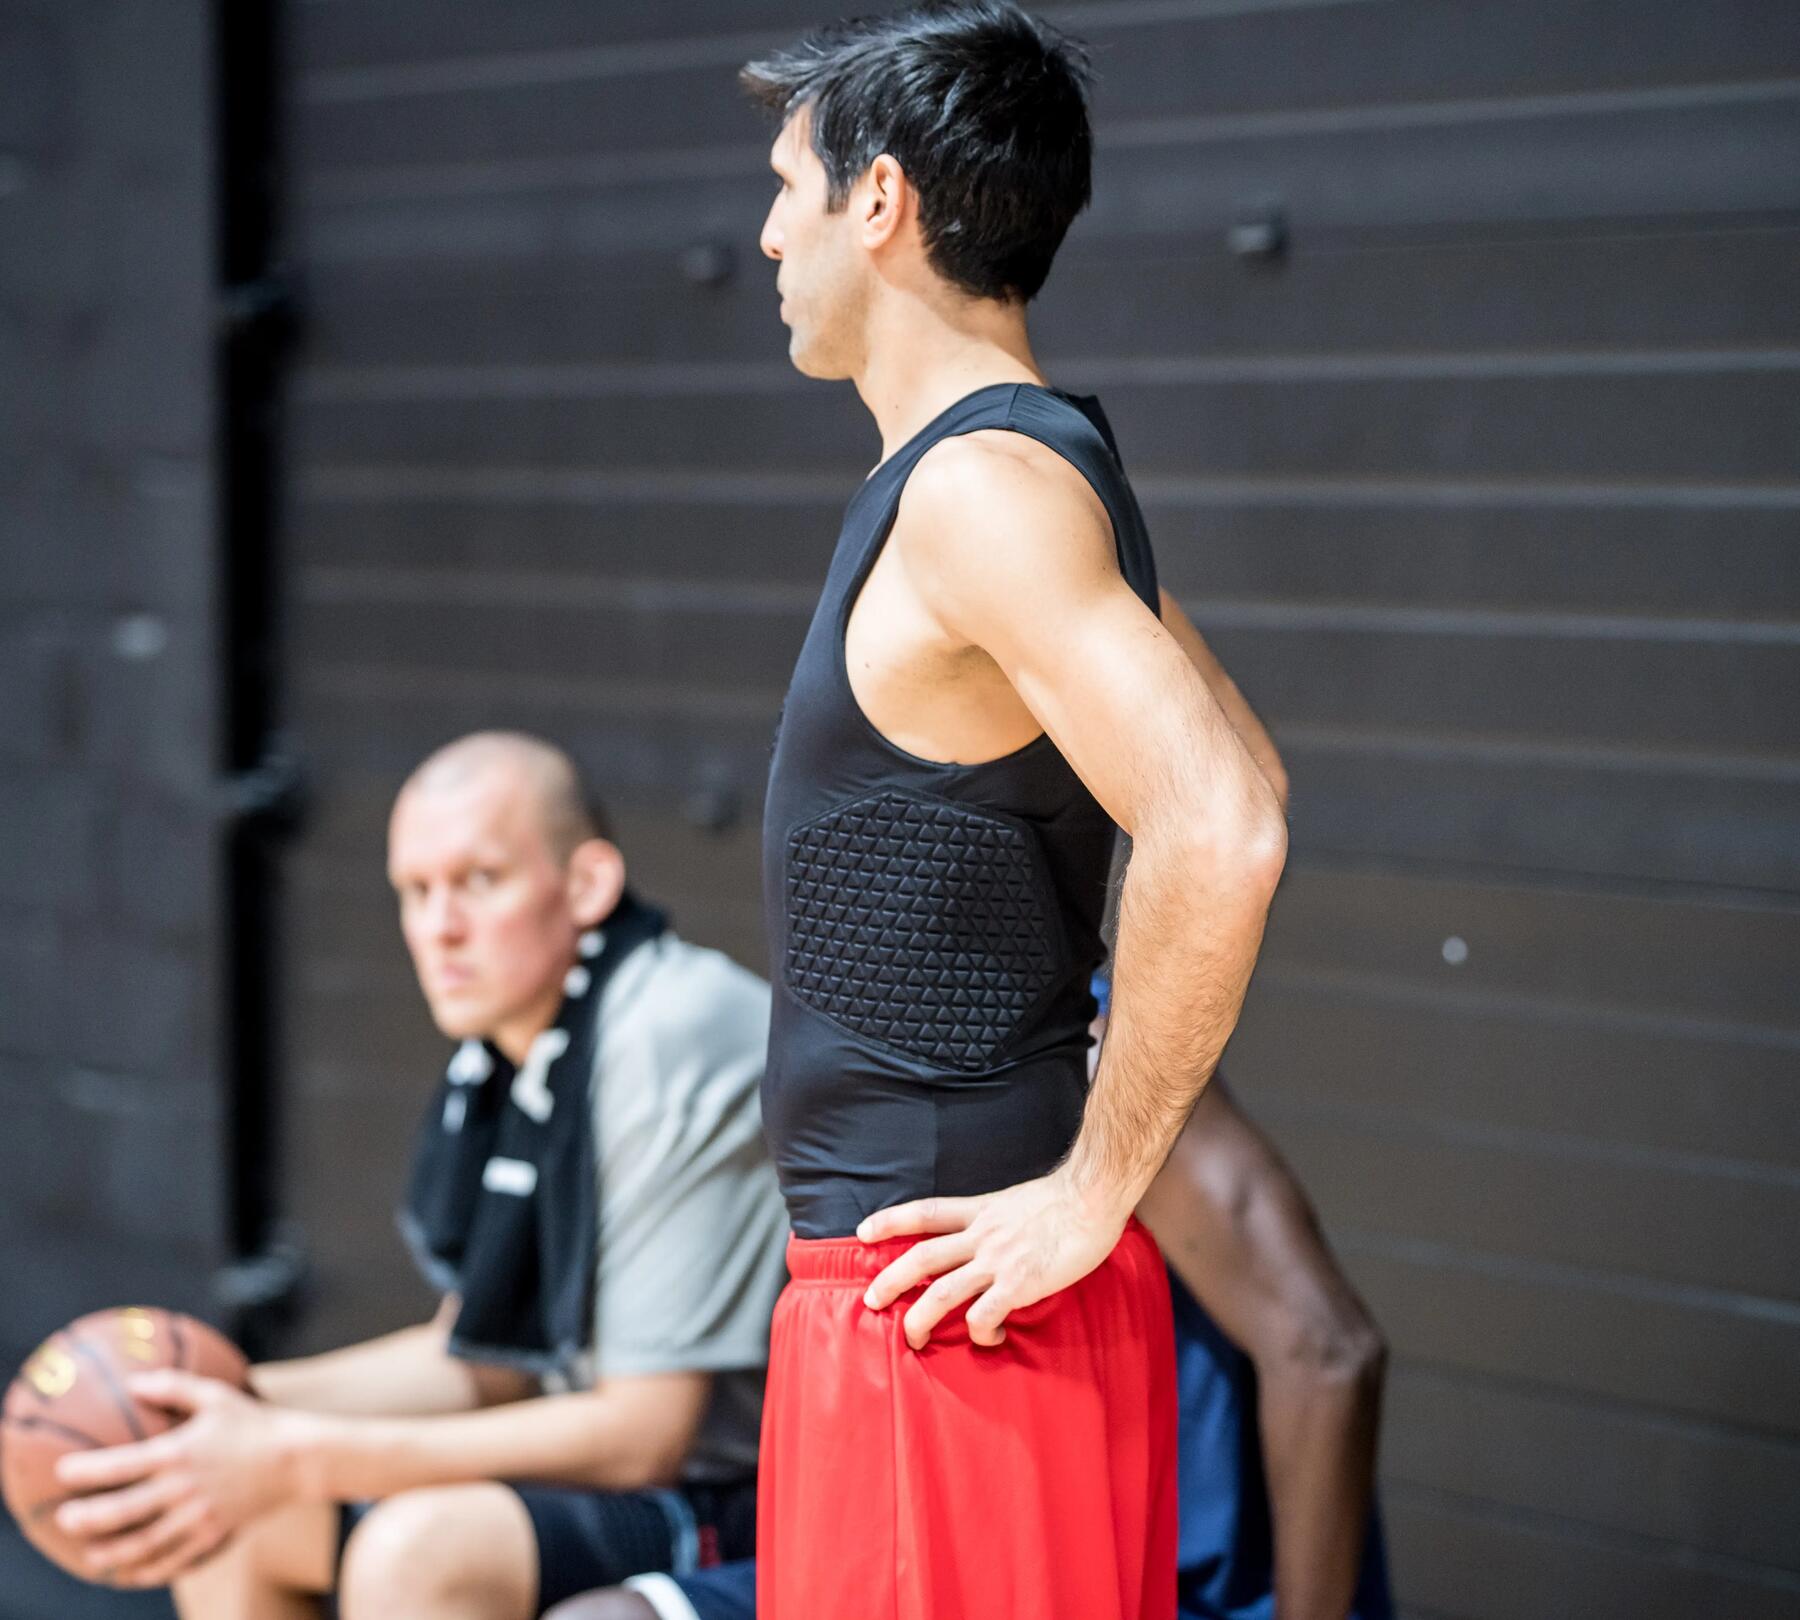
1031,1481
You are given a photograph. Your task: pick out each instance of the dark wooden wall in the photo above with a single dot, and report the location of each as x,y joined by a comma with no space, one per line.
113,1179
1485,491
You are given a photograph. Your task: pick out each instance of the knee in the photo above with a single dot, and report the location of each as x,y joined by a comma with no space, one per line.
424,1548
393,1560
226,1583
283,1554
612,1604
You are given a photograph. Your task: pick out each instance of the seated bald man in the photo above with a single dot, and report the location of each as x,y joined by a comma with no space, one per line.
591,1195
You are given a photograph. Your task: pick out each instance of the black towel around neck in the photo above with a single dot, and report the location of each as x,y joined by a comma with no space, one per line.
502,1205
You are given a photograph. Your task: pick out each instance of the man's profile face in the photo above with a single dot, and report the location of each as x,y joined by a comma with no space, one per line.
821,280
485,906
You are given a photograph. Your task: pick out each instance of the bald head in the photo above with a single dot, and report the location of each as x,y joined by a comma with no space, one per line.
499,867
544,777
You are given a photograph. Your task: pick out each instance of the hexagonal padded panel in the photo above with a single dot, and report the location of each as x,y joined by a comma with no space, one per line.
918,924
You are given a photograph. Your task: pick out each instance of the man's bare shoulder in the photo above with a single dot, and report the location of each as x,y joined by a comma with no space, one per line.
996,470
994,517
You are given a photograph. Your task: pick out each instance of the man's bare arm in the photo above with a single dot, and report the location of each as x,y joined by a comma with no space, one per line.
235,1458
1041,595
1251,731
1238,1230
626,1434
411,1371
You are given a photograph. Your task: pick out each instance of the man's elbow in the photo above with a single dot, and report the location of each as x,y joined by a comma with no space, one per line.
1243,852
1265,848
653,1462
1275,774
1345,1355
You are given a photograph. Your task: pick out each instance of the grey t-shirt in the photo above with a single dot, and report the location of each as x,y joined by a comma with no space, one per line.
692,1223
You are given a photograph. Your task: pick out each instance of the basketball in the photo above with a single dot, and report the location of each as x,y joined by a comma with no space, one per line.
70,1395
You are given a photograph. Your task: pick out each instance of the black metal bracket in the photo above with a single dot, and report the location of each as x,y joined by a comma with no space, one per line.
1260,231
259,1294
263,310
272,793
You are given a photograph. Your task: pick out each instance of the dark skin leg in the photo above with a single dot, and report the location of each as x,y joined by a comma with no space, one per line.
1239,1231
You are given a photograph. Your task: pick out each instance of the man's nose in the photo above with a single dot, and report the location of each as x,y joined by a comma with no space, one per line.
770,240
443,915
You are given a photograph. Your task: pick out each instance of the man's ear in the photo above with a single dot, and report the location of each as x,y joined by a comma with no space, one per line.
887,196
596,880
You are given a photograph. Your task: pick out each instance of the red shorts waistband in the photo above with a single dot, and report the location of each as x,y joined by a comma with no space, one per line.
846,1260
850,1261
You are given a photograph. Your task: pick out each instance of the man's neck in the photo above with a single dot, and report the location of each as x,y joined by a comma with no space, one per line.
919,363
513,1036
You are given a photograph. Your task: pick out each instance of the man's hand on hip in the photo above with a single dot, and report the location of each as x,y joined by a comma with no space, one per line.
1003,1250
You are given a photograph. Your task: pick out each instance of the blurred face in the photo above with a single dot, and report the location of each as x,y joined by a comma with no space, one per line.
489,914
823,276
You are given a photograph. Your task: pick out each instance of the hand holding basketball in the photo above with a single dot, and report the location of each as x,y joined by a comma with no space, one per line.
73,1397
152,1510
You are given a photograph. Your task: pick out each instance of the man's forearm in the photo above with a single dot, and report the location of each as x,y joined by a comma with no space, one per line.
1191,919
411,1372
1318,1435
582,1440
405,1372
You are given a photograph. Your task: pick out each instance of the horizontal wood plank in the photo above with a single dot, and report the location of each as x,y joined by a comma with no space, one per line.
1558,299
1736,425
1553,1198
1460,1559
1503,677
1684,561
1538,1064
472,109
1719,961
1698,1353
1533,806
1620,1468
333,38
1676,154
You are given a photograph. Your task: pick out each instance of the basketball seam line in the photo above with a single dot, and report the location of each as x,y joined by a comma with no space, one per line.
124,1402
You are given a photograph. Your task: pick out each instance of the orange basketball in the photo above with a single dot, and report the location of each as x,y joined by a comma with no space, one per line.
70,1395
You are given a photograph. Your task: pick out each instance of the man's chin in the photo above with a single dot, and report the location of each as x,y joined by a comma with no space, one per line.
810,362
460,1022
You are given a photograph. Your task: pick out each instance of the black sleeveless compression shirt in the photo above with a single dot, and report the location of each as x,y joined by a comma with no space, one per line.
932,927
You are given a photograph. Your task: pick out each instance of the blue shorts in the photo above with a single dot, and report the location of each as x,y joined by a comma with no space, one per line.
588,1539
725,1593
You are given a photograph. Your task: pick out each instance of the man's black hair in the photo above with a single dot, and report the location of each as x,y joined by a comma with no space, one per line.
983,107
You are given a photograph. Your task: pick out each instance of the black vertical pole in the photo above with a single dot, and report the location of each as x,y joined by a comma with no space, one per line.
260,771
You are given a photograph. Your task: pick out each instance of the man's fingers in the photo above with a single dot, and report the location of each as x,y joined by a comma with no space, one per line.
194,1548
986,1319
177,1391
112,1511
923,1215
137,1553
940,1299
113,1465
919,1264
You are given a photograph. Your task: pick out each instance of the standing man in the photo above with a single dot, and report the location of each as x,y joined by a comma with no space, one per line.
981,1422
592,1197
